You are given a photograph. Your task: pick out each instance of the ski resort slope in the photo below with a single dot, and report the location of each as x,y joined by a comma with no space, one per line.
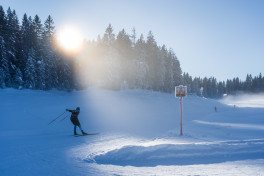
139,134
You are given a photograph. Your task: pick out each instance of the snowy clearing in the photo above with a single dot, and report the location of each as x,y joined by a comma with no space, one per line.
139,135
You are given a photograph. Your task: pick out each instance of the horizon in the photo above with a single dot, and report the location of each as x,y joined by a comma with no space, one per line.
196,31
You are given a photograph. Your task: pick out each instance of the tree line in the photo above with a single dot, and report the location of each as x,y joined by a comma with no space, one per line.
210,87
124,62
29,58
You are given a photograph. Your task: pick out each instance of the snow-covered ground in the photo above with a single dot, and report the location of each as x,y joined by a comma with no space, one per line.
139,134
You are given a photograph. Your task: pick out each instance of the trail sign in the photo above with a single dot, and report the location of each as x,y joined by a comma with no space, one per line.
180,91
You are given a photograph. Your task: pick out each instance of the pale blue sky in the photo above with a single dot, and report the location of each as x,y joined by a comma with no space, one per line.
220,38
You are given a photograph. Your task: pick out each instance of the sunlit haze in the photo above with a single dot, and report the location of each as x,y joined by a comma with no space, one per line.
70,38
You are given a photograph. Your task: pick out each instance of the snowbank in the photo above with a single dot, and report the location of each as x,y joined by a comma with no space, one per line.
184,154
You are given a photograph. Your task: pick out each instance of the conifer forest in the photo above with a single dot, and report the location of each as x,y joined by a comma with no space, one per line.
31,59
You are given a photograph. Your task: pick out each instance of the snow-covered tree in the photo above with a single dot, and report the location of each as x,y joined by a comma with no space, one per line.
109,36
125,58
4,65
50,58
30,71
18,80
41,76
3,22
133,37
141,67
11,43
48,30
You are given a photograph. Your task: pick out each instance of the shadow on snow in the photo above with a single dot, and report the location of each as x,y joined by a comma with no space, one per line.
183,154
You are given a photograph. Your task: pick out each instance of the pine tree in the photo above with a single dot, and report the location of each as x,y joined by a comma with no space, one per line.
18,81
30,71
41,76
177,72
152,61
109,36
48,30
2,78
167,70
38,31
5,77
27,34
3,23
50,59
205,87
187,81
11,43
248,83
196,86
140,64
111,67
229,87
133,37
260,83
124,48
64,76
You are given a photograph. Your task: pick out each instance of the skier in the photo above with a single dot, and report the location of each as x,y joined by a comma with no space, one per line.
75,120
215,109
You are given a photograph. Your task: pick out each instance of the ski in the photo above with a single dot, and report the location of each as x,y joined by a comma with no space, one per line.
78,135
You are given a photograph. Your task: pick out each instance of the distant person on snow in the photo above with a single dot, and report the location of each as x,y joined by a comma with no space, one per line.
75,120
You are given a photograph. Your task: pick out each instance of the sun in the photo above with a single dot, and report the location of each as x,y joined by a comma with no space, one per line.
70,38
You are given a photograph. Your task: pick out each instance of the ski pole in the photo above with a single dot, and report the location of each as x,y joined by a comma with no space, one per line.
56,118
63,118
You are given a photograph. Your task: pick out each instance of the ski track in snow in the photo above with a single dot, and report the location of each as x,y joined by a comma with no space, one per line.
141,138
233,125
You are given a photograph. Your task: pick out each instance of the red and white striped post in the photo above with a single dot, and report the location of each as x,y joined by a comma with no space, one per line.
180,91
181,113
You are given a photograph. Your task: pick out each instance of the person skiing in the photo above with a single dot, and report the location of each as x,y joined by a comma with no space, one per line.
215,109
75,120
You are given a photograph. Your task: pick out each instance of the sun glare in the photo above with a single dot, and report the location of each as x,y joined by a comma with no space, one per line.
70,38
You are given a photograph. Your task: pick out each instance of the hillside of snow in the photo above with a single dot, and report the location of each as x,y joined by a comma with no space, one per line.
139,134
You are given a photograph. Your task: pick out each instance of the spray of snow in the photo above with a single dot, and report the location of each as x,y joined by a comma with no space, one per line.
245,100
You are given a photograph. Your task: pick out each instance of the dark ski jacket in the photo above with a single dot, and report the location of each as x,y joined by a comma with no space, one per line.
74,113
74,117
